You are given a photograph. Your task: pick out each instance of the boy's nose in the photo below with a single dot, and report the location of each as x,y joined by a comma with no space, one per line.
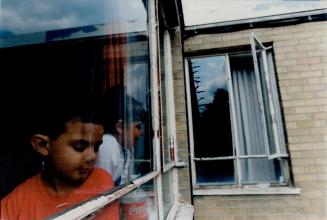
90,154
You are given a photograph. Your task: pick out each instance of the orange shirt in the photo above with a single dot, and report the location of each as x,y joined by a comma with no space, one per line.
31,199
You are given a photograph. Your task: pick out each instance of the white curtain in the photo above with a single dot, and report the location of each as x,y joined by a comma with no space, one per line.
249,128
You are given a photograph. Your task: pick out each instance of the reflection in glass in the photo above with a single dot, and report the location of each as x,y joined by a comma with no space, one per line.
168,192
125,124
29,16
254,170
80,51
210,100
140,203
215,172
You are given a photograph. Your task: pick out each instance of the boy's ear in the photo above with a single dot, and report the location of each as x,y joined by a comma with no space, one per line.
40,143
120,127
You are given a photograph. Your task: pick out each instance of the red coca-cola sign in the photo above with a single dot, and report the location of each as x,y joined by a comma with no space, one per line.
135,211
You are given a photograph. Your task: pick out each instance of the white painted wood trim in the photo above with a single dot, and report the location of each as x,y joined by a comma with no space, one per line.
190,119
258,19
154,86
235,135
254,42
87,208
169,84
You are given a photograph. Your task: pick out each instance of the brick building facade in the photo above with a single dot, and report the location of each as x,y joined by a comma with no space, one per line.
301,73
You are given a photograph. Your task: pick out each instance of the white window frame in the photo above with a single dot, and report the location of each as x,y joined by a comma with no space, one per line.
280,148
170,103
171,124
272,96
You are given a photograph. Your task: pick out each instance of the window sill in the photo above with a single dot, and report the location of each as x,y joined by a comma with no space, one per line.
249,190
181,211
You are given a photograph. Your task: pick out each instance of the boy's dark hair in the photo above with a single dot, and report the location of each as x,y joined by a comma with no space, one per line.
53,115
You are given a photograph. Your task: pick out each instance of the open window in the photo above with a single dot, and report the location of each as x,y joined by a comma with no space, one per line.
271,114
236,122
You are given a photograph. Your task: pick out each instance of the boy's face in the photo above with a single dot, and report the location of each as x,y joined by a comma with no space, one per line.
73,153
133,133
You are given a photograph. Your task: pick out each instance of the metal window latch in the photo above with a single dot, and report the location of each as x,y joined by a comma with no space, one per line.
180,164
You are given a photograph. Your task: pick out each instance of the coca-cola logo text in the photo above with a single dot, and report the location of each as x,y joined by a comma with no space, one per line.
137,210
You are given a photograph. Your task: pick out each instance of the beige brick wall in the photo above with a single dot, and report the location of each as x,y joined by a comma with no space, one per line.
301,61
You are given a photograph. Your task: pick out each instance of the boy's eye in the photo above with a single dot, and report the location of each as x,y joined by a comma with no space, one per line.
79,146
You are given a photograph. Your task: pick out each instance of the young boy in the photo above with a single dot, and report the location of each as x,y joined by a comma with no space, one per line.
123,129
68,140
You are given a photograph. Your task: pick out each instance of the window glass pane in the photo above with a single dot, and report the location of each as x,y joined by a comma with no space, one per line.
277,107
141,203
261,170
168,191
78,18
79,75
272,117
252,122
248,114
215,172
266,104
210,104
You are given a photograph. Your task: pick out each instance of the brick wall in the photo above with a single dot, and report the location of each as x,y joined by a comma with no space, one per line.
301,61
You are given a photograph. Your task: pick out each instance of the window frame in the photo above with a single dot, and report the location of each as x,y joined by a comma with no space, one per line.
169,168
170,106
272,96
85,209
238,187
97,203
